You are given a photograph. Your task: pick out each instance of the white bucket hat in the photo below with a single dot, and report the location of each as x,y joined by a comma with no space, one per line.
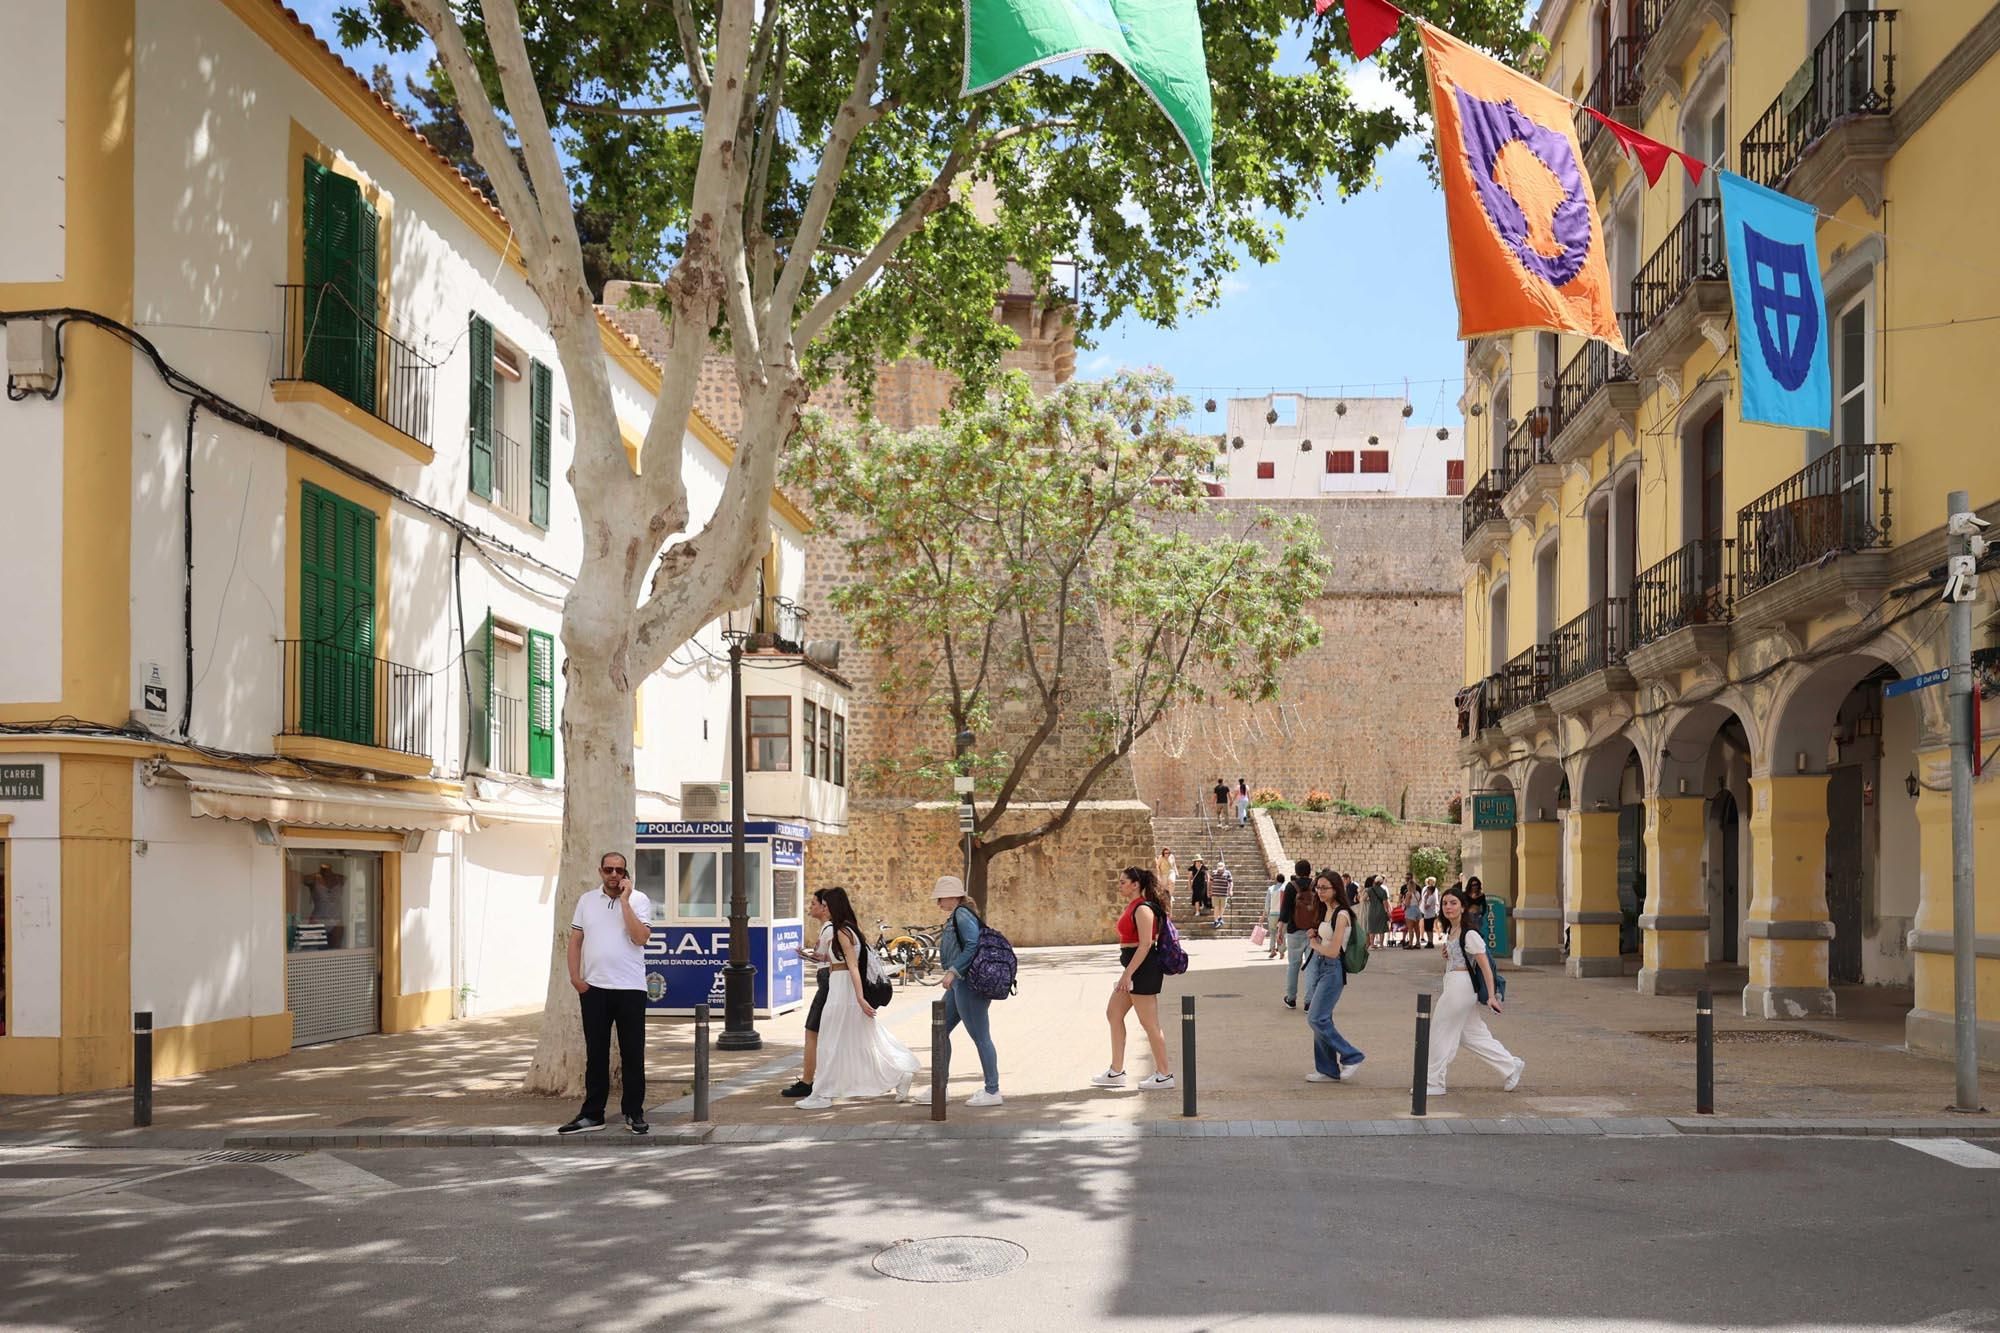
948,886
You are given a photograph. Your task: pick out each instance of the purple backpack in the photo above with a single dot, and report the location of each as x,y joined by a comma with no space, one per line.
992,968
1173,956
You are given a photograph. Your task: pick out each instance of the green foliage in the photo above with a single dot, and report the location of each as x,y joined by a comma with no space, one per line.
997,559
1099,175
1431,862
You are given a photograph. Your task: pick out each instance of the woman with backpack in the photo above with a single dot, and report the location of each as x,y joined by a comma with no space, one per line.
857,1055
1140,930
963,1004
1459,1020
1334,1057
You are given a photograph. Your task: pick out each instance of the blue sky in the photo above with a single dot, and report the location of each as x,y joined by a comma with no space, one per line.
1358,301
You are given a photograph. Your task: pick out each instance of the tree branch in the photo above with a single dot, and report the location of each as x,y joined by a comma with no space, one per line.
613,109
690,36
763,256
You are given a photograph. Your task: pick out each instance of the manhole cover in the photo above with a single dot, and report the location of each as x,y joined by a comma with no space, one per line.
949,1259
245,1156
1749,1037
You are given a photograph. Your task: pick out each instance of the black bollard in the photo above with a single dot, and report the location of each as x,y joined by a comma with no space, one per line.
1420,1085
1187,1055
142,1068
940,1059
1704,1053
701,1064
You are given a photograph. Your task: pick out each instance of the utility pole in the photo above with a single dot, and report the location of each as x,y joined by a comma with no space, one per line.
739,1027
1961,588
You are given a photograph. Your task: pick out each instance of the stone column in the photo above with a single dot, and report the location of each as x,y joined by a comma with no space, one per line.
1591,910
1496,864
1537,904
1788,927
1676,921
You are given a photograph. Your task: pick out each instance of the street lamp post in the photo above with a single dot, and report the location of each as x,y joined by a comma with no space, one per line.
966,815
739,1028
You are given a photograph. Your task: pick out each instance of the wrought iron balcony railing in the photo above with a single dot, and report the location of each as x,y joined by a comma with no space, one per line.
1692,252
1689,587
1482,503
1837,503
1618,84
1594,641
328,342
1593,367
339,695
507,740
1523,682
1529,444
1851,72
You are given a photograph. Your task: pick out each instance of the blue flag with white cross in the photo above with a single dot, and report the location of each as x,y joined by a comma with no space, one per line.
1781,333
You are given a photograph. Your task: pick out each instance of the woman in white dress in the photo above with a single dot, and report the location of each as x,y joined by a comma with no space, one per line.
857,1056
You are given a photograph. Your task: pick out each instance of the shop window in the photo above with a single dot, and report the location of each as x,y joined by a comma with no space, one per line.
1340,460
1374,460
769,731
1267,471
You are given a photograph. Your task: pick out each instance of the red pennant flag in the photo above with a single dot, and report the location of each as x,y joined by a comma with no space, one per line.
1651,153
1369,23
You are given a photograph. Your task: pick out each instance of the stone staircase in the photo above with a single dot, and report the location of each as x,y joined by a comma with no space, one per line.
1192,836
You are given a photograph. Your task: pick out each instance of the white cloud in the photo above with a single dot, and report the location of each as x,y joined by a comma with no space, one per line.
1234,286
1372,91
1097,365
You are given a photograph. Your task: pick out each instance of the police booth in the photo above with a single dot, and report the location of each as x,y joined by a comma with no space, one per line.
684,868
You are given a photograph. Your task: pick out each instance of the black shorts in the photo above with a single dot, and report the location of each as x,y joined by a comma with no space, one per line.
1149,978
819,1002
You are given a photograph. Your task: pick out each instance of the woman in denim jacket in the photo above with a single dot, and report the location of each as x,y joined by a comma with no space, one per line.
962,1004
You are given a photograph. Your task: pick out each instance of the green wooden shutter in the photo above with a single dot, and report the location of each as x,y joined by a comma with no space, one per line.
336,617
362,292
479,704
541,404
322,317
541,705
480,414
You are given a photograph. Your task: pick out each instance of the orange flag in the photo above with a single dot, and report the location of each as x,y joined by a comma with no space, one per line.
1527,251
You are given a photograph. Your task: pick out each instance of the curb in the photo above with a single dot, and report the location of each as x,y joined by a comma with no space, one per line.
660,1137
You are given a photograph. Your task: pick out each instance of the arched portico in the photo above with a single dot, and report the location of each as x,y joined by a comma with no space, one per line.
1693,851
1603,894
1538,866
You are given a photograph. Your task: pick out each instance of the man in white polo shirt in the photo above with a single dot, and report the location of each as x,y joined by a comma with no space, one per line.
607,965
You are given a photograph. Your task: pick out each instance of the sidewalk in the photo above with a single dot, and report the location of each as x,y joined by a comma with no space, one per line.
1596,1050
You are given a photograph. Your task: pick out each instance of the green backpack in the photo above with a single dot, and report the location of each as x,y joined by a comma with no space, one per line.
1354,956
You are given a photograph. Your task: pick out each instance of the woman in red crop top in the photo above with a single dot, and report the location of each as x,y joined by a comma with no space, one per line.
1139,981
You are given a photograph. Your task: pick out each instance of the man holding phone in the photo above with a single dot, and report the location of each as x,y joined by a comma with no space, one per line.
607,965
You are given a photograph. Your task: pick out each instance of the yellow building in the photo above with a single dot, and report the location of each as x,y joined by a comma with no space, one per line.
1682,627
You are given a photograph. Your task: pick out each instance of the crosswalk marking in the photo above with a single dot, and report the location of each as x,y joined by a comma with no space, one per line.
330,1175
1956,1151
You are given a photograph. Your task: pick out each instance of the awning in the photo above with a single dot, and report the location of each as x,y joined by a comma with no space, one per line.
225,793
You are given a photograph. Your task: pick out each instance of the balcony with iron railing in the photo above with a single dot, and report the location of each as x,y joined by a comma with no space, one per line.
1837,505
1532,474
510,475
507,735
1522,683
350,699
1824,111
1683,285
1584,412
1615,93
327,342
1689,588
1483,518
1594,642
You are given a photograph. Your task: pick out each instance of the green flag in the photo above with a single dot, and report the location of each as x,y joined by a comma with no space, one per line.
1157,41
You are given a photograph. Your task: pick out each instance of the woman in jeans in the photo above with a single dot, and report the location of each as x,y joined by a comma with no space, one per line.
1139,981
1459,1020
1334,1057
962,1004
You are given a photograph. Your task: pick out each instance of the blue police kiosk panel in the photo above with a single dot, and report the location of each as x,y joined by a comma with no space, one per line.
684,867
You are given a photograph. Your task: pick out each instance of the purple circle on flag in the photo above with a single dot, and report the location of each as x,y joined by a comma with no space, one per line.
1488,127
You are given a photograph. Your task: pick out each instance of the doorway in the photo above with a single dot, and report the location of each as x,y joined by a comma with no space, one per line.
333,943
1844,872
1728,906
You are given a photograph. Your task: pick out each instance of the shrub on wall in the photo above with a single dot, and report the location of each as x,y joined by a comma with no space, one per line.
1454,810
1429,862
1270,798
1318,800
1346,807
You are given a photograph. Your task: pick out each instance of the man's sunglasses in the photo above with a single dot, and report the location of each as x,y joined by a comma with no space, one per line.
611,870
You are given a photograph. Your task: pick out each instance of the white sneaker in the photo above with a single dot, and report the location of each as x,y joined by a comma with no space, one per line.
1110,1078
903,1088
1156,1082
1317,1077
1514,1079
813,1103
984,1098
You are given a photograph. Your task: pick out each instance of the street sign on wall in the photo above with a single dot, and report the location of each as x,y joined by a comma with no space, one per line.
21,782
1493,810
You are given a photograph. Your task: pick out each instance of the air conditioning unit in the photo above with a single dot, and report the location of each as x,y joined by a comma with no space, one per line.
705,802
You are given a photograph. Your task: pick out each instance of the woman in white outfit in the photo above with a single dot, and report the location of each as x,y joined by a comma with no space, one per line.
1458,1020
857,1056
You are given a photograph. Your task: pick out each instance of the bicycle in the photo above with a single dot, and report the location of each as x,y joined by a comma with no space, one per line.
911,954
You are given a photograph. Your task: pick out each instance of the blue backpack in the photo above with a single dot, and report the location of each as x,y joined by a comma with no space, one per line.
992,968
1173,956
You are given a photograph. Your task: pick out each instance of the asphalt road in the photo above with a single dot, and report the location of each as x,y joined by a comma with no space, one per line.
1488,1232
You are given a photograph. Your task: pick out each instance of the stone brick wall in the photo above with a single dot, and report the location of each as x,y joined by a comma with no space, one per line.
1061,890
1367,715
1358,846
